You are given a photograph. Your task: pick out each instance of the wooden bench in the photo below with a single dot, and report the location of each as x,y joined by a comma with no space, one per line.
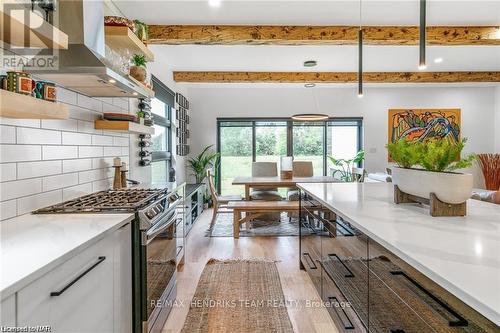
254,209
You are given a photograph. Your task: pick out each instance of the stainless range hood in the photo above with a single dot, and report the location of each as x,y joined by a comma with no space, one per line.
82,67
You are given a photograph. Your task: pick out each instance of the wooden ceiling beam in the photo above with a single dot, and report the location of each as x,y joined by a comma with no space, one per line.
319,35
335,77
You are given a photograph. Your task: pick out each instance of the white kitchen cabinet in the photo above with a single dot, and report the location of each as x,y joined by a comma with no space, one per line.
123,280
8,311
80,295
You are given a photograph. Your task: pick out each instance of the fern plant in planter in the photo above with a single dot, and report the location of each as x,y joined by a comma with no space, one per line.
438,160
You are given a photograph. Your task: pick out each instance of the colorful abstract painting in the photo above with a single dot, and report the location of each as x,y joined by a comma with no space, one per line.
421,124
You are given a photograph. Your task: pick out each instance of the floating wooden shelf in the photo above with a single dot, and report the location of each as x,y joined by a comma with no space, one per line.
123,126
41,33
123,38
150,92
13,105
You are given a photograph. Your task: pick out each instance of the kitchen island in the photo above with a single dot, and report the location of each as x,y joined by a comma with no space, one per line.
458,255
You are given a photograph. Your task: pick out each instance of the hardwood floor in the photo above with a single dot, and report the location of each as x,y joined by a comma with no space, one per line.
297,285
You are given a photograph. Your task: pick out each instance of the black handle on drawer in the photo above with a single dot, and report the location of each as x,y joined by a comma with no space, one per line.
58,293
350,274
310,261
347,326
461,321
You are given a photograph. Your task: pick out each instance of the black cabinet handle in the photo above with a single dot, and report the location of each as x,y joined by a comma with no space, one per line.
350,274
461,321
348,325
58,293
310,262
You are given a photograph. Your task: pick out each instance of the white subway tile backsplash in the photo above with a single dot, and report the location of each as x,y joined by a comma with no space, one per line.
59,181
38,169
31,203
44,162
7,172
8,209
76,191
77,165
121,102
66,96
120,141
85,151
20,153
102,162
76,112
20,122
7,134
87,127
102,185
91,175
59,152
20,188
102,140
61,125
76,139
89,103
38,136
112,151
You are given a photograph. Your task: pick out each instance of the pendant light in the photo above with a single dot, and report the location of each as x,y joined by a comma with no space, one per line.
360,55
422,35
311,116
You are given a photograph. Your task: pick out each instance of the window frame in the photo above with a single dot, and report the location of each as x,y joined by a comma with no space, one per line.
167,97
253,123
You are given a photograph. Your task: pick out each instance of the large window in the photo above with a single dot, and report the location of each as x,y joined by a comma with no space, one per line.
161,109
242,141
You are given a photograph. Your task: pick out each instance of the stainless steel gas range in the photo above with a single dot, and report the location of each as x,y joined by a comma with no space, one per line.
158,214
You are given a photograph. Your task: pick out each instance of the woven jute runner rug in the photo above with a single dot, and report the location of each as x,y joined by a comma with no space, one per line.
238,296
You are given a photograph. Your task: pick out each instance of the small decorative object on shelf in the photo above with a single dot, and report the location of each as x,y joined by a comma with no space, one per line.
182,122
22,83
144,153
141,30
118,21
145,110
138,69
490,166
437,184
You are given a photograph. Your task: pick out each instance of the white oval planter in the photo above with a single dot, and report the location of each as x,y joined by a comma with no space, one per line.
453,188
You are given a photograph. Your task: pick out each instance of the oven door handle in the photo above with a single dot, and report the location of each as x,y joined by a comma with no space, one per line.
156,230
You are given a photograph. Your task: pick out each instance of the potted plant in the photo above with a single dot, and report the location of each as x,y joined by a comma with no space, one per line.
201,163
439,159
138,69
141,30
345,171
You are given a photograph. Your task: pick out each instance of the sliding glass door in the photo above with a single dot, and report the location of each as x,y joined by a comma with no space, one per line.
243,141
308,144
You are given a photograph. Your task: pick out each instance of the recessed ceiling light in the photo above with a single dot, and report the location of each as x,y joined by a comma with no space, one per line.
135,93
112,81
360,95
422,67
214,3
310,63
438,60
310,85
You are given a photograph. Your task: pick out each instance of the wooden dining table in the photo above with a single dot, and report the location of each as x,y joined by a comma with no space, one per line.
265,182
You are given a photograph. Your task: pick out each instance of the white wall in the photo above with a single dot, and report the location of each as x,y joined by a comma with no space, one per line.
477,105
497,120
164,73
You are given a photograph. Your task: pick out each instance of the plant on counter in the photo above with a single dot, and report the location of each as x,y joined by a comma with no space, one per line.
138,69
345,171
439,159
201,163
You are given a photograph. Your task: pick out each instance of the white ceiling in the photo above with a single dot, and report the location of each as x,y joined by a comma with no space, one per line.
326,12
330,58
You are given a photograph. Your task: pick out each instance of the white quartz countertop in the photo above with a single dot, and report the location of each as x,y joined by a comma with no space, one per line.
32,245
462,254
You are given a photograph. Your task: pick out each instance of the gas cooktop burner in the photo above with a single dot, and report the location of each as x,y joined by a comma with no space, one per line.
110,201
